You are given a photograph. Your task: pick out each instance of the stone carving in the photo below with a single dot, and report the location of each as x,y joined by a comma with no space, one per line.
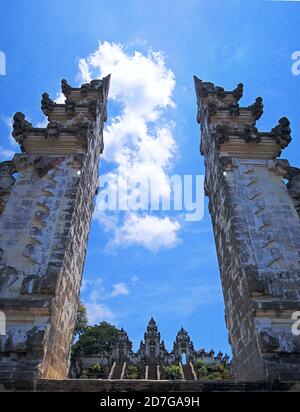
47,105
92,86
238,91
21,127
53,130
65,87
69,106
43,164
279,167
226,162
221,134
268,342
257,108
234,109
282,132
220,92
251,134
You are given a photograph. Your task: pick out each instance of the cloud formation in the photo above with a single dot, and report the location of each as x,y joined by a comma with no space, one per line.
98,312
138,140
151,232
119,289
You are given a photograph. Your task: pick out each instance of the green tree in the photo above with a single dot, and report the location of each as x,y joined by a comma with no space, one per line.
212,372
97,370
201,370
132,372
172,372
81,320
95,340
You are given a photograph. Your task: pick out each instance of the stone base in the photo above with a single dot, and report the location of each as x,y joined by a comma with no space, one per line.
99,385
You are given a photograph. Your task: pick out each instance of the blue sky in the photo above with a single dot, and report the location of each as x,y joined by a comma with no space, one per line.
170,270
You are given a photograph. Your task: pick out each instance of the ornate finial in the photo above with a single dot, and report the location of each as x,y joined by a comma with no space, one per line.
257,108
238,91
47,105
65,87
20,127
202,88
282,132
220,92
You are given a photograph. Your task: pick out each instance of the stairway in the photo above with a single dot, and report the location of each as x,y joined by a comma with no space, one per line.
118,371
188,375
152,372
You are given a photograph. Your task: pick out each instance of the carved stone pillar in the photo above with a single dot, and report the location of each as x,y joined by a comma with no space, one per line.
257,232
44,229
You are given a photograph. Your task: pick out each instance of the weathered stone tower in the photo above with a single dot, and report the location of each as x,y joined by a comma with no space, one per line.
256,225
46,204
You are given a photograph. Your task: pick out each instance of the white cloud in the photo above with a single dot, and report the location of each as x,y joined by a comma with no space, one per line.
138,141
5,153
60,98
119,289
98,312
42,124
8,121
151,232
84,285
135,279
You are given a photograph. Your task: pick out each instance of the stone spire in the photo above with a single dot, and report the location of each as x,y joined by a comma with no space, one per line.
122,348
183,344
152,343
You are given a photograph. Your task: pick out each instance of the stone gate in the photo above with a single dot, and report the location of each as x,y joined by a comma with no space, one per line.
46,204
255,217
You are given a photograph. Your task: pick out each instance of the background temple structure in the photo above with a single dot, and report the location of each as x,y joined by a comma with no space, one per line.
150,359
46,204
256,224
